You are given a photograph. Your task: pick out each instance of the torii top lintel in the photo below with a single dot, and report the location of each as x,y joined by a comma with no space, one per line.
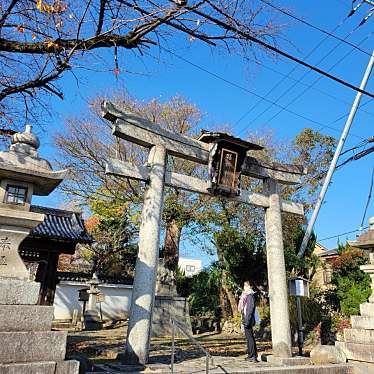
140,131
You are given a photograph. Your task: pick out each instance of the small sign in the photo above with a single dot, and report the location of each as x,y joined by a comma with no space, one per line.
298,287
299,284
227,169
100,298
83,294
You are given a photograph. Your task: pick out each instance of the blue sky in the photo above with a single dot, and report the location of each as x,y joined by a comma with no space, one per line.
164,76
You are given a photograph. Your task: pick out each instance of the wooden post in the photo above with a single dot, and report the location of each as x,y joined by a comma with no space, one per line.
279,314
140,320
49,279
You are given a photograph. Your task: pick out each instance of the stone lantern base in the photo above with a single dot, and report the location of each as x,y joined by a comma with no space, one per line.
28,346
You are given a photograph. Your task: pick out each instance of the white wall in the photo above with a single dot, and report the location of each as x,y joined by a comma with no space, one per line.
190,266
115,307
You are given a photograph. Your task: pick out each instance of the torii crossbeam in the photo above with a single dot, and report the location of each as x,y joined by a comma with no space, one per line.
162,143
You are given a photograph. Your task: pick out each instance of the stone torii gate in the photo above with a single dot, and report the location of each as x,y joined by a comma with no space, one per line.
162,143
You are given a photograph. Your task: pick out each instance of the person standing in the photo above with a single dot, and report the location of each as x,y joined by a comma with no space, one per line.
247,308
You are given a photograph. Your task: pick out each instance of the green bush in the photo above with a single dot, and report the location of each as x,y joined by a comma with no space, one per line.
352,285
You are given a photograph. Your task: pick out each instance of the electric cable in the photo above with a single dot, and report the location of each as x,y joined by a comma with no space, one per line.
265,45
341,234
205,70
314,82
325,93
357,156
368,199
330,34
288,75
360,145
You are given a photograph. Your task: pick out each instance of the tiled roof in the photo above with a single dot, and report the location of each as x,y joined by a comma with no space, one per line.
328,253
365,240
84,277
60,225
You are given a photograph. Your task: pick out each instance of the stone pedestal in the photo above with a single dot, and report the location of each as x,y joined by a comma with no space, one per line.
358,342
169,305
165,307
27,343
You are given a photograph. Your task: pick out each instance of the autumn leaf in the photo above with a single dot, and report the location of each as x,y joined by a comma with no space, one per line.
51,44
56,8
33,36
20,28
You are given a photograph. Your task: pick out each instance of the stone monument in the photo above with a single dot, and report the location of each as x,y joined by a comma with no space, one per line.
169,305
358,342
27,343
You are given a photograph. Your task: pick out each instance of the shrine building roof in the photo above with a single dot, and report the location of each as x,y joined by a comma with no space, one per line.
61,225
216,136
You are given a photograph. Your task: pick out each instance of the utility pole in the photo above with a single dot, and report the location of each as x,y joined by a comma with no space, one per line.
334,161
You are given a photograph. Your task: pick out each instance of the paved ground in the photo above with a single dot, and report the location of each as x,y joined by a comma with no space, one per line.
104,345
227,351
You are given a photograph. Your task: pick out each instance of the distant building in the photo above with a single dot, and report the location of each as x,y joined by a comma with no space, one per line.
190,266
322,278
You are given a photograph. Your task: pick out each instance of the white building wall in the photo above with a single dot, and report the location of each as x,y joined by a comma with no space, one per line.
190,266
115,307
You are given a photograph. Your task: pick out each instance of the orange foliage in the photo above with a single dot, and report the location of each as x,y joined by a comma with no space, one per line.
91,224
347,257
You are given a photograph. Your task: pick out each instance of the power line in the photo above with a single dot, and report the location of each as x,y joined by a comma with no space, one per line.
369,197
288,75
357,156
360,145
251,92
315,82
250,37
306,85
330,34
341,234
319,78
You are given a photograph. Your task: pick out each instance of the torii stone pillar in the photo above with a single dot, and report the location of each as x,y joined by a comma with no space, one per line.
143,293
277,279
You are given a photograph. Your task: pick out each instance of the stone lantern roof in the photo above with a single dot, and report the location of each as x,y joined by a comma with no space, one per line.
365,240
22,162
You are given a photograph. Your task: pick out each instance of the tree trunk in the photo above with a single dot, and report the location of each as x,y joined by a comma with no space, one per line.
223,304
225,286
230,295
171,245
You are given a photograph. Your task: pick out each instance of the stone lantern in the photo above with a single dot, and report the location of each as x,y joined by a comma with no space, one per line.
27,343
22,174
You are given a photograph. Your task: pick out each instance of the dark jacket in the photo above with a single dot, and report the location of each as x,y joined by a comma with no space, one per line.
248,312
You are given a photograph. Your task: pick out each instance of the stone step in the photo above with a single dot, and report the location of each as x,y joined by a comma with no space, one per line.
360,336
32,346
362,367
302,369
362,322
18,292
49,367
367,309
29,368
26,318
67,367
357,351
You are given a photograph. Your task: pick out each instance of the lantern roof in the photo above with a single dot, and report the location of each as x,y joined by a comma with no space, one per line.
365,240
22,162
216,137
